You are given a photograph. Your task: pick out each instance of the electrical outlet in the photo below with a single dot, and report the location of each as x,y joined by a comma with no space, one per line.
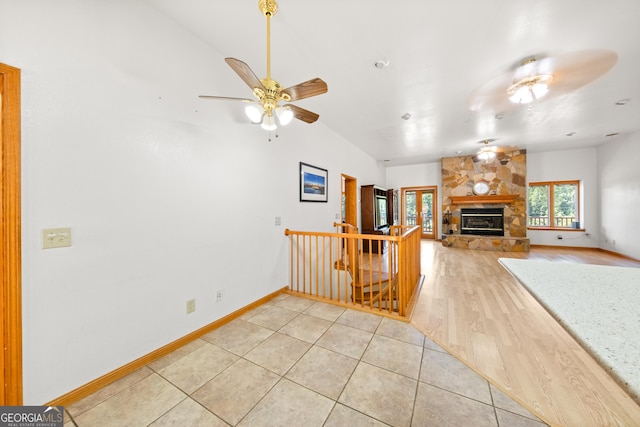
219,295
278,220
191,306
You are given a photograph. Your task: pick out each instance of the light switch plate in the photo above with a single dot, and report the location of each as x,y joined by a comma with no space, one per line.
56,238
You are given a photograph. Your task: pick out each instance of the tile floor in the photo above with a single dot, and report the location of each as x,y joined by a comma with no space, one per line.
298,362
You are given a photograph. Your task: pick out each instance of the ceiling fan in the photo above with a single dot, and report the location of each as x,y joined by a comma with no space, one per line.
266,108
489,152
541,76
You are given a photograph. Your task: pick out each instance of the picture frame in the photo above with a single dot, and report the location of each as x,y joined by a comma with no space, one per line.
313,183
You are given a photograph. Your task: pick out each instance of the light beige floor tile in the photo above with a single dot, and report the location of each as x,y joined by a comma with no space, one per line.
243,337
439,408
233,393
194,370
395,356
342,416
323,371
273,317
138,405
278,353
325,311
513,420
402,331
360,320
447,372
277,299
289,404
349,341
294,303
306,328
224,329
433,346
172,357
68,422
381,394
189,413
501,400
249,314
106,392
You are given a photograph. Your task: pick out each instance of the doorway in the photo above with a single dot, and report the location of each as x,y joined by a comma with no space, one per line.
10,253
349,203
419,207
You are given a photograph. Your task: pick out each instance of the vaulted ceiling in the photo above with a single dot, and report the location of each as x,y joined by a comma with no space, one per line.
449,66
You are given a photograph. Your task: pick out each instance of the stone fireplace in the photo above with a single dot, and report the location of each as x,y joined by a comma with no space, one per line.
506,177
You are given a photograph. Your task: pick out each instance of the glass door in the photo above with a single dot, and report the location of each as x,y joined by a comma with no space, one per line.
419,210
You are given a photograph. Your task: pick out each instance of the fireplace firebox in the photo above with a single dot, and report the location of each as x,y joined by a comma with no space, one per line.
482,221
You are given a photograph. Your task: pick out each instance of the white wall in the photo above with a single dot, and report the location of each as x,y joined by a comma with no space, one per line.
169,197
619,180
414,175
568,165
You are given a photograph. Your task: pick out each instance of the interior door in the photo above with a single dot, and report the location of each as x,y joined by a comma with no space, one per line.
420,209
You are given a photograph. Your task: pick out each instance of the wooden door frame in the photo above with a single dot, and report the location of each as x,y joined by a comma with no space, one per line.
10,238
351,199
435,217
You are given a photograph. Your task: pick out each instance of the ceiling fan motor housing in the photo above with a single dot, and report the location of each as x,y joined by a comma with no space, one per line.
268,7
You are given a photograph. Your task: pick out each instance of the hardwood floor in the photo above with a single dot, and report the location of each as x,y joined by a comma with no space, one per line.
471,306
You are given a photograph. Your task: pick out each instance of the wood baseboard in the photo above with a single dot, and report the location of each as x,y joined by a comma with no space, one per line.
585,248
103,381
618,254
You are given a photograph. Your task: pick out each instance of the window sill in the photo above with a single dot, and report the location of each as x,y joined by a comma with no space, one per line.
557,229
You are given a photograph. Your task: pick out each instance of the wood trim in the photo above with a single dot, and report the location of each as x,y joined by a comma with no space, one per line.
556,229
435,208
10,235
618,254
349,305
496,198
587,248
105,380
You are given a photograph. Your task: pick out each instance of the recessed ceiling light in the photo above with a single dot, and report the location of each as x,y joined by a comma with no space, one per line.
459,152
570,133
499,116
612,134
406,116
381,63
623,101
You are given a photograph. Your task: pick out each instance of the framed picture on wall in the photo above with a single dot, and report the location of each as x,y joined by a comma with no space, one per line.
313,183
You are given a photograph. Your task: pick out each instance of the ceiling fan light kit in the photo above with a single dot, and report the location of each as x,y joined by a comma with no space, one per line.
530,88
269,93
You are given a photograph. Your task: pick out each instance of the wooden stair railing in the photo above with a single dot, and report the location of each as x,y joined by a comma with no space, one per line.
333,266
368,285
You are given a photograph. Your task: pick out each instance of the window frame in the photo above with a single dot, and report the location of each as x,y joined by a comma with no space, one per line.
552,216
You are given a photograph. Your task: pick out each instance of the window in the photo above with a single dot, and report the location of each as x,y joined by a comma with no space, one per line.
554,204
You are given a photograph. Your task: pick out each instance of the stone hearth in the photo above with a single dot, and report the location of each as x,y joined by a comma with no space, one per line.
486,243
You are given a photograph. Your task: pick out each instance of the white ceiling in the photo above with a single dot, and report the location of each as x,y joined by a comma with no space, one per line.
439,54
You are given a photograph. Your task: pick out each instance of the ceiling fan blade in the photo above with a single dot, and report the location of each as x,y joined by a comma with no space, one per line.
574,70
302,114
227,98
307,89
245,73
